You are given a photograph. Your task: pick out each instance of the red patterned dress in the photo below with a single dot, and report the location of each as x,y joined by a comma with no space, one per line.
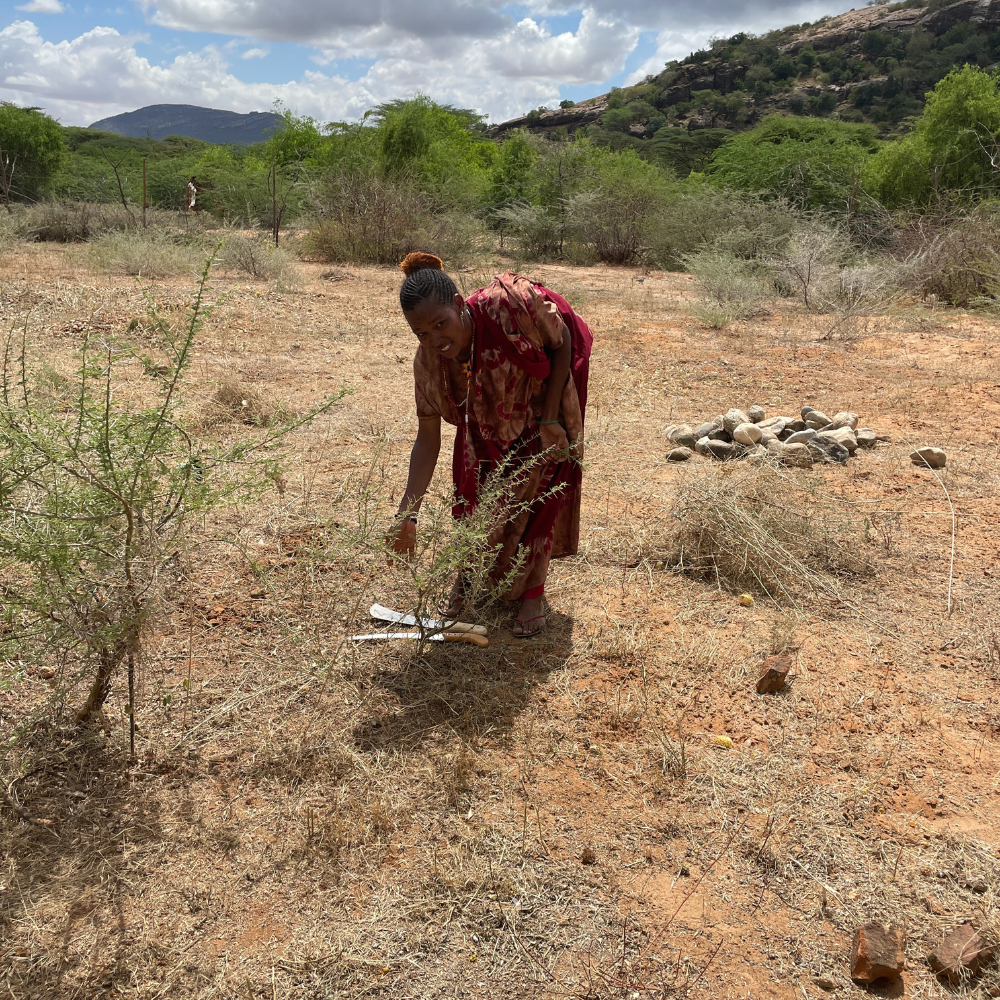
515,320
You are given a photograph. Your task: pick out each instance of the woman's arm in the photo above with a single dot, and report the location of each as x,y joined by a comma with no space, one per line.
554,434
423,459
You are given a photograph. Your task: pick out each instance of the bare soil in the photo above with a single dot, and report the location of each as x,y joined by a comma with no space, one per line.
609,810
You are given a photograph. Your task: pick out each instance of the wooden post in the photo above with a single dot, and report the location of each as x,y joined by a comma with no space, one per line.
144,192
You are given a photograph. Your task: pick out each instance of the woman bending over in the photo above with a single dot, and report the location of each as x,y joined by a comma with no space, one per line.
508,367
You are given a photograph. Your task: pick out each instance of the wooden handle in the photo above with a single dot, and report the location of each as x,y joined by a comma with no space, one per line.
476,640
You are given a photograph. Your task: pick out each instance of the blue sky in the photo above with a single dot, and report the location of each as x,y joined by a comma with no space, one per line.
335,58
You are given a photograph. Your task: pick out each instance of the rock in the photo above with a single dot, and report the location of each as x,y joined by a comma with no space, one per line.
843,435
733,418
961,954
804,410
766,436
865,437
703,430
774,424
825,448
682,435
756,414
934,458
757,455
719,434
749,434
773,673
46,673
796,425
723,450
845,418
800,437
791,454
816,419
824,983
701,446
679,454
877,952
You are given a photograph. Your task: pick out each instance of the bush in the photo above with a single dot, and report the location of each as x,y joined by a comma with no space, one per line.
34,144
150,253
812,163
736,289
256,256
71,222
536,233
618,216
742,225
761,529
956,258
366,219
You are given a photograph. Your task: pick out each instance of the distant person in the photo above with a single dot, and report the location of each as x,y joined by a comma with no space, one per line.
508,367
191,196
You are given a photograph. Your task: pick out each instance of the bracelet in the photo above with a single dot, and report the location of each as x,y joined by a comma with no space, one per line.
540,422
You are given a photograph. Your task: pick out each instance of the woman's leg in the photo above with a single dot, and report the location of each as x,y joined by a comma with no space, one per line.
530,618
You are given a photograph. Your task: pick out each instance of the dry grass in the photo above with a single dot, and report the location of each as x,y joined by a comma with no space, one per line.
239,401
563,817
762,529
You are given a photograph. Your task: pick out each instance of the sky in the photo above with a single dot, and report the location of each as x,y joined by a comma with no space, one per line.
334,59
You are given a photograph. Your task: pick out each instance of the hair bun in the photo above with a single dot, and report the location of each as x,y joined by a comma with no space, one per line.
420,262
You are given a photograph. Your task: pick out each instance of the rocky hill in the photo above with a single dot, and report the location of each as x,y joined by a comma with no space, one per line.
208,124
869,65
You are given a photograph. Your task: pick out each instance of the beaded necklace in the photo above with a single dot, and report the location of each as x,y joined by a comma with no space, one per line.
466,367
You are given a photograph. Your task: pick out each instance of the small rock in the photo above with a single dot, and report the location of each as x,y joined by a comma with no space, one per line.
791,454
845,418
756,414
805,410
773,673
817,420
46,673
877,952
701,446
774,424
934,458
865,437
824,983
749,434
844,435
703,430
766,436
733,418
719,434
757,455
801,437
962,953
682,435
825,448
679,455
722,450
796,425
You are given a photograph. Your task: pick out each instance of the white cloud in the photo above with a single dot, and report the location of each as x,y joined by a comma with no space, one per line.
255,54
43,7
99,73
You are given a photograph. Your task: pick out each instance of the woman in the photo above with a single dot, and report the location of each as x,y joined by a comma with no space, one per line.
509,369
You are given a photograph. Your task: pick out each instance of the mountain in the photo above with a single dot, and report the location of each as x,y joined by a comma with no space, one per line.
207,124
872,65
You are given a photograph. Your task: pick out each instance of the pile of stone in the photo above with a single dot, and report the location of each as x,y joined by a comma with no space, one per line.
800,441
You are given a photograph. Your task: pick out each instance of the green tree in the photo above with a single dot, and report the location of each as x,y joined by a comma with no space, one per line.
954,146
510,175
814,164
33,149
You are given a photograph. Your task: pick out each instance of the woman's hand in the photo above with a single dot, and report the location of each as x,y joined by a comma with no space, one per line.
402,539
554,438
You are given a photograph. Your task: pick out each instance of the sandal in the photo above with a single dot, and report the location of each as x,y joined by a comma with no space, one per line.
528,635
455,604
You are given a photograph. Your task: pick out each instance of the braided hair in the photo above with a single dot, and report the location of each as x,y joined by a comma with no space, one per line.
425,279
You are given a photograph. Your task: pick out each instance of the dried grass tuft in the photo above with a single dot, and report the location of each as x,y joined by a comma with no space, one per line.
237,401
758,528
